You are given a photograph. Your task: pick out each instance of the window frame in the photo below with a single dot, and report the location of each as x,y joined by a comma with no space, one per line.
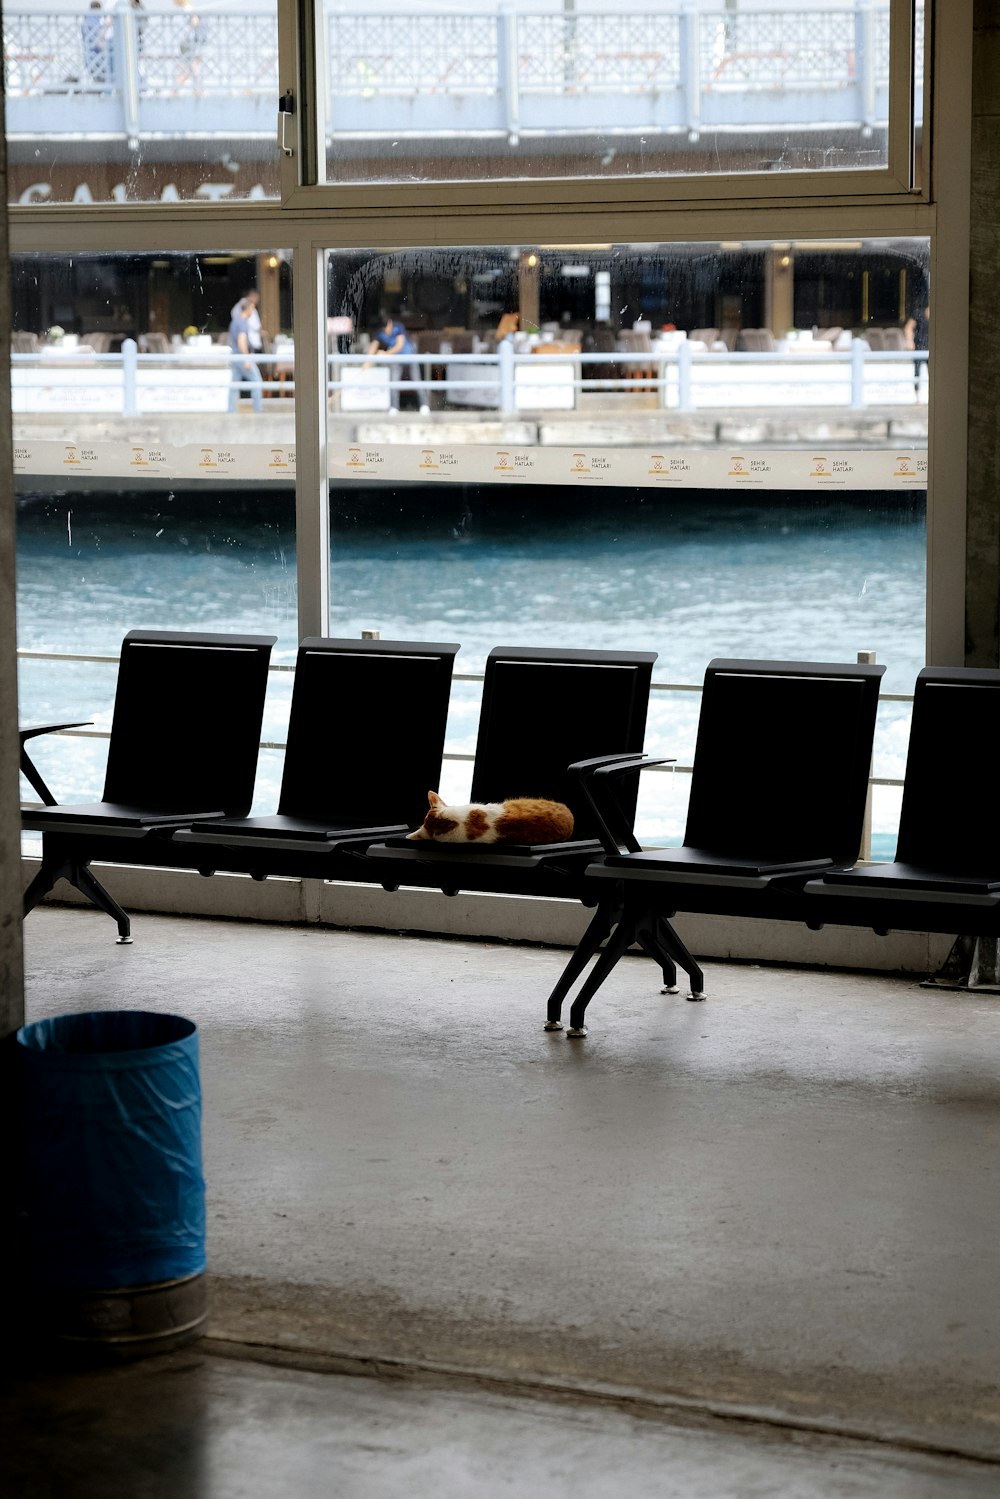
302,75
422,217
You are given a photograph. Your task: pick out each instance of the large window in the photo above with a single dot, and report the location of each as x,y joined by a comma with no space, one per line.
481,90
129,101
703,449
155,479
584,322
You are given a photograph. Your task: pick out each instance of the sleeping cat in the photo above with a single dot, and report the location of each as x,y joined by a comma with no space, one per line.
525,819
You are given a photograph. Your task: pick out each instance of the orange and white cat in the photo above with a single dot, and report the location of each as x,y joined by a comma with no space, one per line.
524,819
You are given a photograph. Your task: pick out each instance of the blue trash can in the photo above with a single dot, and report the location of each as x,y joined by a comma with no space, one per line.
114,1192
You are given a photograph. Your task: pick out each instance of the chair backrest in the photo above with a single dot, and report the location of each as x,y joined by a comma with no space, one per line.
366,730
186,727
950,816
755,341
544,709
631,342
782,759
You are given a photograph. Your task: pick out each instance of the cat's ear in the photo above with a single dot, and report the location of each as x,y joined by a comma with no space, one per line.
434,799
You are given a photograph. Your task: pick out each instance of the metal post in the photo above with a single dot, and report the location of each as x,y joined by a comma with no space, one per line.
866,658
130,370
505,357
126,37
857,375
312,492
685,366
507,79
864,48
690,70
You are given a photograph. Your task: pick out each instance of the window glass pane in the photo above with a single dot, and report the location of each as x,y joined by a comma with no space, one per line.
140,100
706,450
151,491
482,89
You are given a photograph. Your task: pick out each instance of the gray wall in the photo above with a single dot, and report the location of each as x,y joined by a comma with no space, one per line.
11,971
983,523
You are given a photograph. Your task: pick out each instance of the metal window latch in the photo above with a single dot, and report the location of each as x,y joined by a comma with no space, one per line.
286,108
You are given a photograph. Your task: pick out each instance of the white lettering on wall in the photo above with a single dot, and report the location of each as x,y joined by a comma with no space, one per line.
41,192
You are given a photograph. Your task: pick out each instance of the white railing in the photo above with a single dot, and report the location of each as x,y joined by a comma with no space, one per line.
683,380
131,384
726,68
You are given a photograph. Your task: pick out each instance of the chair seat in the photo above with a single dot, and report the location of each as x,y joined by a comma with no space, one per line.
273,832
115,816
404,848
700,861
907,879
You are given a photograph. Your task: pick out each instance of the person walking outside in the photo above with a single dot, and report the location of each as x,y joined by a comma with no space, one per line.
243,367
254,331
97,36
191,39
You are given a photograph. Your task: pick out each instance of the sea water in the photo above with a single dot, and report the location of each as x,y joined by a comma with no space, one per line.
692,578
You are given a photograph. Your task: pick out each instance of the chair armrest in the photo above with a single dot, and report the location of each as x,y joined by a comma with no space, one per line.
28,769
626,757
51,728
613,827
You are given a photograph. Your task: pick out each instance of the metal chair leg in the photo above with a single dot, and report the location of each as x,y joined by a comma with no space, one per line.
90,885
600,925
682,957
47,876
82,878
648,937
617,945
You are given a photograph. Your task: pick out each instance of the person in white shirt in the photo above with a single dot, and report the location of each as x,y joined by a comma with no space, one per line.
252,318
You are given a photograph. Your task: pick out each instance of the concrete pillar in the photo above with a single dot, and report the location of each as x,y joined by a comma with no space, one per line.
527,287
11,971
779,288
270,300
982,612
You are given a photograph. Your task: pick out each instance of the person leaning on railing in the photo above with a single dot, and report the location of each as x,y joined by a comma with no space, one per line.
390,337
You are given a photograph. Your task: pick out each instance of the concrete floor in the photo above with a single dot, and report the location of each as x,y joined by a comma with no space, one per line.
747,1247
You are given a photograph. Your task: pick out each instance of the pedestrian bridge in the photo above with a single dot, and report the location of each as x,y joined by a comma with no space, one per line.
508,75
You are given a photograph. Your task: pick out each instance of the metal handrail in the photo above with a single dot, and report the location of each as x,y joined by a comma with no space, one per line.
676,377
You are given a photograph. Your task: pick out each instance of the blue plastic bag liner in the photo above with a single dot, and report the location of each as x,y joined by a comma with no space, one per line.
112,1126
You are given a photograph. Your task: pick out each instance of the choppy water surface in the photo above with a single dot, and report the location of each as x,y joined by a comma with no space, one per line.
688,578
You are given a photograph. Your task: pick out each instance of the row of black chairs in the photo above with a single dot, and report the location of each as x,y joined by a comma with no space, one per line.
778,788
365,743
